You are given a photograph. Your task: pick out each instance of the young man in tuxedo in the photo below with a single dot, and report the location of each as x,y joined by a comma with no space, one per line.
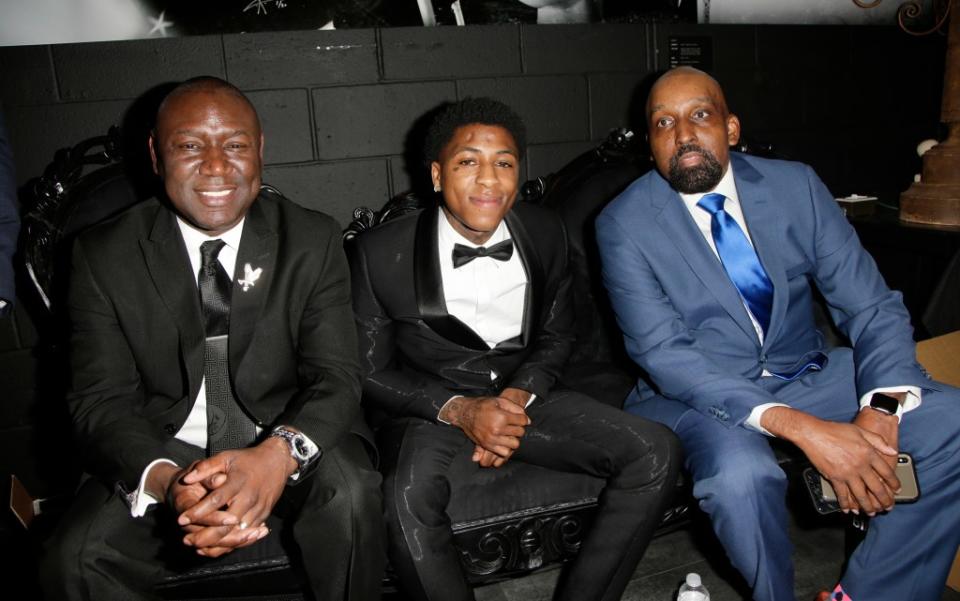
709,261
465,317
215,379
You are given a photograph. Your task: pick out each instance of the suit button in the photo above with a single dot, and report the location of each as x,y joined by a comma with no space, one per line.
170,429
763,358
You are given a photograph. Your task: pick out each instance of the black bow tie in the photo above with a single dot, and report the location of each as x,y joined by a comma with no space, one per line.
462,255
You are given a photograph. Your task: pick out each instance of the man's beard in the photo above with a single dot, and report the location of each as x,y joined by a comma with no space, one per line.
699,178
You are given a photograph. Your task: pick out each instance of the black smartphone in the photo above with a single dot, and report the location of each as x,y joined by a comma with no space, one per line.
825,499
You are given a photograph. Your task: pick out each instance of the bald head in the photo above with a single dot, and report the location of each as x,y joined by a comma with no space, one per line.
678,75
204,84
690,129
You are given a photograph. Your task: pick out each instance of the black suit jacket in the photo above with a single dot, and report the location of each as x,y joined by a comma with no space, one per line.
415,355
138,337
9,216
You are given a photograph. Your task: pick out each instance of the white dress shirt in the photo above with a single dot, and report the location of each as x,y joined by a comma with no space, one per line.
194,430
703,219
485,294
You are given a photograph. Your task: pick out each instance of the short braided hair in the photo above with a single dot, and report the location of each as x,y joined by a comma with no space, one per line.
483,111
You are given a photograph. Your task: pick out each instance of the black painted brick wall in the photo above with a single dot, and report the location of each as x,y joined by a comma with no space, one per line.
337,108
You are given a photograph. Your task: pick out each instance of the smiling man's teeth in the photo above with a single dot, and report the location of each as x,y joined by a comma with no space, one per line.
216,194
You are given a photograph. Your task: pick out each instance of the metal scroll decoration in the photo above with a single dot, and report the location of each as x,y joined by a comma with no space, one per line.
911,11
527,544
46,209
365,218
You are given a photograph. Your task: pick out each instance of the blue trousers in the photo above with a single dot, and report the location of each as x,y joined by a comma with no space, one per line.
907,552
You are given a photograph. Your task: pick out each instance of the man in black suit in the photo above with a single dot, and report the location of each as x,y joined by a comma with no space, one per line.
201,414
465,322
9,222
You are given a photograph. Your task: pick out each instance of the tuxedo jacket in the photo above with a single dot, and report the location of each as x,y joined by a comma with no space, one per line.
138,335
684,321
415,355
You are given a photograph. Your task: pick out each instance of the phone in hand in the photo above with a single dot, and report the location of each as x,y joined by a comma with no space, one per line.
825,498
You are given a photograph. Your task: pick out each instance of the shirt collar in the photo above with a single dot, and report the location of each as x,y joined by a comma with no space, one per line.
726,186
447,236
194,237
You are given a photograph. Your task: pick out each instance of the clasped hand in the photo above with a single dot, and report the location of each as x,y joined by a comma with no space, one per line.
222,501
859,460
494,423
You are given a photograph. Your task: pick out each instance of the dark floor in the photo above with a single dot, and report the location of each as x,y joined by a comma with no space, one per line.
818,556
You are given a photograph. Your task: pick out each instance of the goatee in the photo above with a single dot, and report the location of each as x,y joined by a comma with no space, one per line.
699,178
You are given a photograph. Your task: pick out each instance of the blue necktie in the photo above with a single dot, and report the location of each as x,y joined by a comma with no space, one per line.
740,260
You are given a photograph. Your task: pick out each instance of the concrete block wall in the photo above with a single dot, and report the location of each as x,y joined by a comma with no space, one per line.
338,107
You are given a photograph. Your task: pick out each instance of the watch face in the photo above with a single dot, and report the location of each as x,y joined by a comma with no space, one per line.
884,402
300,448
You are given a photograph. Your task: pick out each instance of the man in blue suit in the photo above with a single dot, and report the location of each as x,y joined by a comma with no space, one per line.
708,261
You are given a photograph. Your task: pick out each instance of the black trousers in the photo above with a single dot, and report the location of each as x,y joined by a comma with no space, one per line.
333,519
423,461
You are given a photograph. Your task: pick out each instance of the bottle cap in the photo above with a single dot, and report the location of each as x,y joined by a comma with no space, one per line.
693,579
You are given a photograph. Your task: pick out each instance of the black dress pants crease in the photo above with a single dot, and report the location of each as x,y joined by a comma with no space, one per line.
423,461
101,553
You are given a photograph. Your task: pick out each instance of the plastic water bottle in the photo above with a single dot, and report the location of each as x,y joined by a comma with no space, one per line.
692,589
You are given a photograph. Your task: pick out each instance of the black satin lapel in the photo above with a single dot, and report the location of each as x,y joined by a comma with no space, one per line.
429,286
169,265
426,268
258,250
533,299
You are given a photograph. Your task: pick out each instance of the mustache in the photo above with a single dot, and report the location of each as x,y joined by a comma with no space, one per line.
690,147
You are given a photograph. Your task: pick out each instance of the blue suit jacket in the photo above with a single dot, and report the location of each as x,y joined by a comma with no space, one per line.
684,321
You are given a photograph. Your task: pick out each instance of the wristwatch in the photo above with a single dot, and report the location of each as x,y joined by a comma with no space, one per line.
886,404
302,449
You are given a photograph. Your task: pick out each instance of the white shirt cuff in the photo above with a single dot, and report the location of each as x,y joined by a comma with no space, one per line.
911,402
533,397
753,420
140,500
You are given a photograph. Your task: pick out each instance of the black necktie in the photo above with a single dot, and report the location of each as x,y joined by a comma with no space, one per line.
502,251
228,427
